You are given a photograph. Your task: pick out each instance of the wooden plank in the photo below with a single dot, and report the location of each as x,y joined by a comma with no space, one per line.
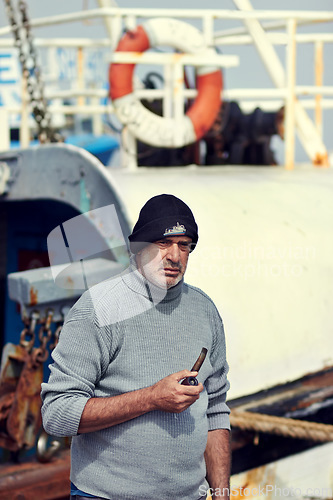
32,480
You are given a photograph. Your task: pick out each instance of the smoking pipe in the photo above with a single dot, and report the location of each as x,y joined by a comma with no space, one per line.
195,368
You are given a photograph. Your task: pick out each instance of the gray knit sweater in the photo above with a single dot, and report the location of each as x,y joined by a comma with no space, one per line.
120,336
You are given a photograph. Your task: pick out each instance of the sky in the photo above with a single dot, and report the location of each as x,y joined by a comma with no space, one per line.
251,71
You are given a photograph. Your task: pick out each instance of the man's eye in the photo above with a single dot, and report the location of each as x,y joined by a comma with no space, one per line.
162,244
184,246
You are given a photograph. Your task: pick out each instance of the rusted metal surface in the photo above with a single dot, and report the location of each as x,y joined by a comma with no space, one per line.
24,419
20,402
20,383
35,481
321,160
252,479
33,296
14,358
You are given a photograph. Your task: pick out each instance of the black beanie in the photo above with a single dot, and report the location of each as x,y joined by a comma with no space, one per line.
163,215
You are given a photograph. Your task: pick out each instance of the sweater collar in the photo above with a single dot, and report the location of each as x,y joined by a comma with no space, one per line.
139,284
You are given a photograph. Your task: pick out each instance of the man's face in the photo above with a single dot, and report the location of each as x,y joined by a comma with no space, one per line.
164,262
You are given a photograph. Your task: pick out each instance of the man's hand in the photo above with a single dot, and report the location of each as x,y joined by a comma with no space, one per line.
170,396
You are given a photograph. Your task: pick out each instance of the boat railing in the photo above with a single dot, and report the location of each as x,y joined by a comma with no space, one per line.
259,30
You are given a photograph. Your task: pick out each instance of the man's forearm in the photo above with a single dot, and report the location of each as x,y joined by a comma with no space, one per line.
218,462
100,413
166,395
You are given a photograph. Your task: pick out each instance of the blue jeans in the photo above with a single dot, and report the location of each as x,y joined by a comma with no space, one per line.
79,497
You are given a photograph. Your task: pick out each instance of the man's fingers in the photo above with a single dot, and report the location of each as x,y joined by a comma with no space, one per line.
183,374
192,390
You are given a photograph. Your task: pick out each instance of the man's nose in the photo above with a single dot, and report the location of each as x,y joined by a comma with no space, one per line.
173,252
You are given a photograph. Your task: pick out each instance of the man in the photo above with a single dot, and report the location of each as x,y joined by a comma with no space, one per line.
138,433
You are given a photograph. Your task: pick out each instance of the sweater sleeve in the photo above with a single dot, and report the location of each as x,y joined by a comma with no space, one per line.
217,384
79,360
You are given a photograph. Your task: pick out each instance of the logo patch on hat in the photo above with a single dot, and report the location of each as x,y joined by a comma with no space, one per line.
175,230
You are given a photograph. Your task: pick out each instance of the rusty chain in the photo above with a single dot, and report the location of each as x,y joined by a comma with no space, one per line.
31,71
34,357
45,335
56,337
27,337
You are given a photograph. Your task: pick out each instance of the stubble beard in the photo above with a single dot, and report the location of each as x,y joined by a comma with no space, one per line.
161,278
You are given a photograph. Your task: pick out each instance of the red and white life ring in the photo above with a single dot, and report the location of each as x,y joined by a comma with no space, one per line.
145,125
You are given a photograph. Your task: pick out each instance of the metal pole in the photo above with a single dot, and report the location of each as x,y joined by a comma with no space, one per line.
319,70
5,135
112,23
130,23
80,74
97,124
24,125
128,150
208,30
178,92
168,86
291,98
